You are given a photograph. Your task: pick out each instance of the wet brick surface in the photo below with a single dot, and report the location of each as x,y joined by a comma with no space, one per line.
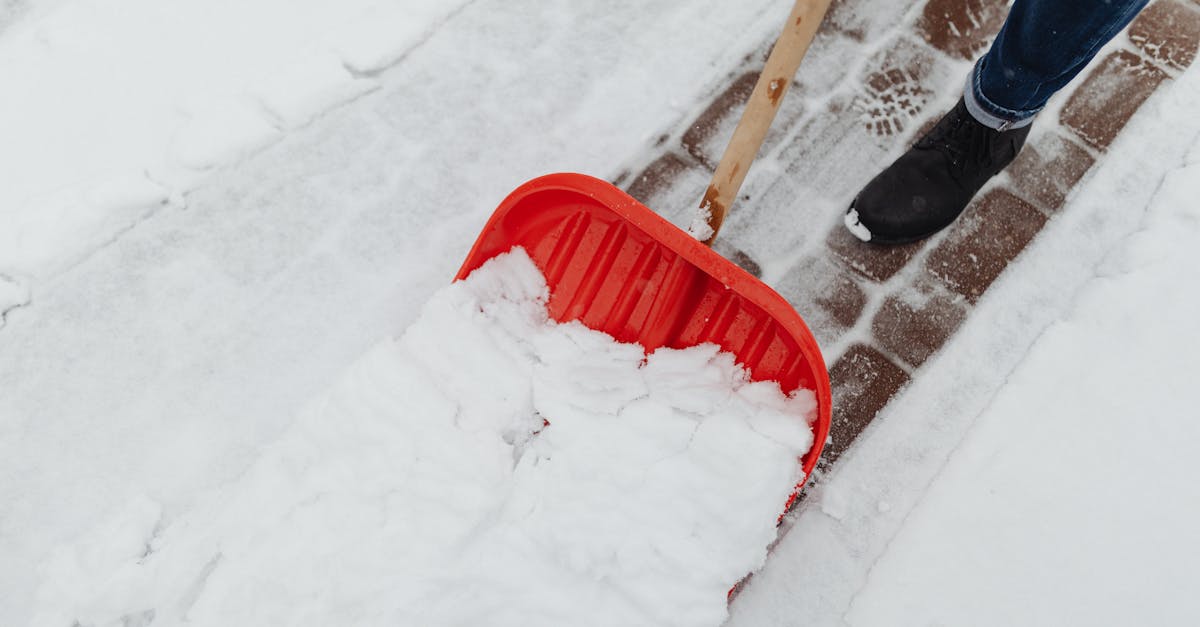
743,260
864,130
991,232
1168,31
704,138
831,299
887,310
708,135
847,18
1101,106
657,178
775,216
672,185
961,28
895,94
878,263
1047,169
864,380
915,321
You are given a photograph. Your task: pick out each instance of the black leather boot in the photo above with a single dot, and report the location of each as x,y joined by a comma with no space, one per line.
930,185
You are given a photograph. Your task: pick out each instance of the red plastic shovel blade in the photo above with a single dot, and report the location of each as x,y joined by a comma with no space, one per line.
618,267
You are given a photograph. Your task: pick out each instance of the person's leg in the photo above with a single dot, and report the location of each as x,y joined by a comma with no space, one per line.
1041,47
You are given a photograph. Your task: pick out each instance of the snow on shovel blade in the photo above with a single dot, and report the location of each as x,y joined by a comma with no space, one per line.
618,267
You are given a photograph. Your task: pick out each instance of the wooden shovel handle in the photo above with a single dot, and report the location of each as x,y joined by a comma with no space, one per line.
760,111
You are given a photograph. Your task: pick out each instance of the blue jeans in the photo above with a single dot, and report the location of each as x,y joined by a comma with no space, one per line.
1042,46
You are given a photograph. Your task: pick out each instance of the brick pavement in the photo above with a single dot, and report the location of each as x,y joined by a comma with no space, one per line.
880,313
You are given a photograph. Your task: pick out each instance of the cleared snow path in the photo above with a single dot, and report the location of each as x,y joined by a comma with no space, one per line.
969,501
1071,500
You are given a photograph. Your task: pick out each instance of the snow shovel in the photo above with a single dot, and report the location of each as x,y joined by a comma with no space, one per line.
618,267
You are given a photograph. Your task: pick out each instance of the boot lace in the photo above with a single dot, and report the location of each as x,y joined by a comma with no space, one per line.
970,146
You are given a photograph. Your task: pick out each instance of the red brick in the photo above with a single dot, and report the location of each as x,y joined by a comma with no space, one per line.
739,257
847,17
1101,106
777,215
842,17
827,297
671,185
961,28
1047,169
716,118
916,321
660,174
708,136
863,382
1169,32
878,263
900,91
894,98
829,48
867,129
989,235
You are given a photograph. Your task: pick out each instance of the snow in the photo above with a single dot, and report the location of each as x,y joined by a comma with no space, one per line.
162,93
856,227
162,362
309,87
86,217
1071,480
13,293
1036,471
426,487
219,208
700,228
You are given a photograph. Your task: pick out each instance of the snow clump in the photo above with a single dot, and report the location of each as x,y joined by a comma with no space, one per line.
489,467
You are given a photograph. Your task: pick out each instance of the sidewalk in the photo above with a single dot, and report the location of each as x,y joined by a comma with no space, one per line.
880,313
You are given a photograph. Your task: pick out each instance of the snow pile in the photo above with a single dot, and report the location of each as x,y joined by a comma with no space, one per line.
426,488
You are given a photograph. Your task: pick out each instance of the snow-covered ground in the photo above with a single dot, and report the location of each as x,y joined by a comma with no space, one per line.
1037,470
487,467
121,109
1069,500
211,210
